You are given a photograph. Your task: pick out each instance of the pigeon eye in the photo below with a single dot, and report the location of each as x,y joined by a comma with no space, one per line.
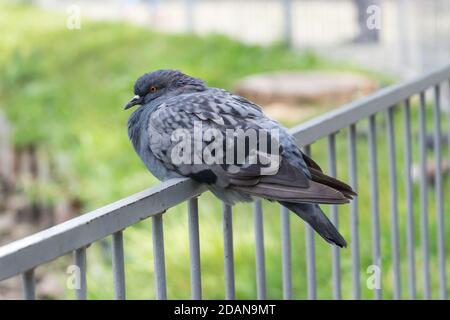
152,89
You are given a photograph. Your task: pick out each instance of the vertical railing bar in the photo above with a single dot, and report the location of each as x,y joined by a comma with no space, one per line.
28,283
259,244
286,253
310,253
158,257
439,197
80,262
336,259
395,243
118,265
374,199
410,239
194,249
228,251
354,244
424,196
310,262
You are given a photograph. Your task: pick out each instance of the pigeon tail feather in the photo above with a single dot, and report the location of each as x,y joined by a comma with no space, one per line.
317,219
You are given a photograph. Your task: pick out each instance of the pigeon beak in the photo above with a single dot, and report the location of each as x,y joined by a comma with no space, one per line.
135,101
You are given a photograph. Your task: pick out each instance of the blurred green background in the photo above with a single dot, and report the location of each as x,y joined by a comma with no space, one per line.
63,91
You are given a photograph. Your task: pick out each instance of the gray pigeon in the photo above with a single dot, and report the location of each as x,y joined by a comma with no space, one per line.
171,102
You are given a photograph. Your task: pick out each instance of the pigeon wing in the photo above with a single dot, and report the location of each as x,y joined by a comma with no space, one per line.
193,115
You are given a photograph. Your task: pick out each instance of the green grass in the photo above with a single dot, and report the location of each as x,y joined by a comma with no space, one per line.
64,90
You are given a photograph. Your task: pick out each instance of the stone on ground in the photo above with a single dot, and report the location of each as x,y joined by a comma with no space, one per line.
318,87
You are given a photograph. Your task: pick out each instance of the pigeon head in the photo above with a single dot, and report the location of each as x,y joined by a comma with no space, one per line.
163,83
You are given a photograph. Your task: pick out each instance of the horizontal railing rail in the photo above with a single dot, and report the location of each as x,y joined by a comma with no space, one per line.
44,246
75,235
333,121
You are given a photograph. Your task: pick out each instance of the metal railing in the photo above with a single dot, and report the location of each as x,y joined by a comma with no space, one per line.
75,235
